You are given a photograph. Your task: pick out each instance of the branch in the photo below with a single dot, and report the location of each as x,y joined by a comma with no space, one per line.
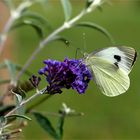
26,101
47,40
15,14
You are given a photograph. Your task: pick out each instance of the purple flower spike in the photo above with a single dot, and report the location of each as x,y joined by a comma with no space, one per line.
35,80
70,73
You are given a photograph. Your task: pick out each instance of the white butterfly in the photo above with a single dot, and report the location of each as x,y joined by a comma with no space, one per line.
110,68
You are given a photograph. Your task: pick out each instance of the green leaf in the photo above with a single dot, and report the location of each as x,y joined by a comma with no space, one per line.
45,124
20,111
22,88
12,69
25,86
19,98
3,121
19,93
67,9
63,39
19,116
98,28
17,66
60,126
38,22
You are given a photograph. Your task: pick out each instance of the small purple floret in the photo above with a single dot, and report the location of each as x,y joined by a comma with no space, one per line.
70,73
35,81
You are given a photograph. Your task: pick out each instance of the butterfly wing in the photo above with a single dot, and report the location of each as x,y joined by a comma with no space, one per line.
111,80
111,67
123,57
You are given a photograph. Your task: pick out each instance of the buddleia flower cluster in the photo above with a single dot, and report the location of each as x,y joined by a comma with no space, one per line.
70,73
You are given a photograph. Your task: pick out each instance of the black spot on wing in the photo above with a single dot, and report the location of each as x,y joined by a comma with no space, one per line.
135,57
117,57
116,64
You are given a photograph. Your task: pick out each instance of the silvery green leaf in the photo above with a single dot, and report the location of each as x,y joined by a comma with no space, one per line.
19,99
19,116
60,126
45,124
22,88
3,121
12,69
38,22
98,28
67,9
18,68
61,38
20,93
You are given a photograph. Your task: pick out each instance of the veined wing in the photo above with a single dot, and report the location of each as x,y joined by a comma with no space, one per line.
111,80
123,57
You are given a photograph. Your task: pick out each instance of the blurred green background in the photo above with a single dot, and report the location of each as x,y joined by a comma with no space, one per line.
105,118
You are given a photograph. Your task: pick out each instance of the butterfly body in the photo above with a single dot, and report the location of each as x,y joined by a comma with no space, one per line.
110,68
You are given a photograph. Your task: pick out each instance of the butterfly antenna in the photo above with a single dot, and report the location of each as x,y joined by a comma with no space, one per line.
84,41
76,52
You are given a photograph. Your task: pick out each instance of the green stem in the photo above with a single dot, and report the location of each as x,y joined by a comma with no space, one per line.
47,40
25,102
15,14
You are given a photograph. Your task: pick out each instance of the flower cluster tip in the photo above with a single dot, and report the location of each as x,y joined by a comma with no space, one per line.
70,73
